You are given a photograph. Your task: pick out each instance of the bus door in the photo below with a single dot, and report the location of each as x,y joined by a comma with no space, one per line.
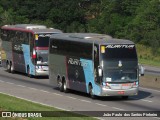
96,64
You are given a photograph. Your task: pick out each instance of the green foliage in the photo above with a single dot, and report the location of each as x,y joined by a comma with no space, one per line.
146,56
137,20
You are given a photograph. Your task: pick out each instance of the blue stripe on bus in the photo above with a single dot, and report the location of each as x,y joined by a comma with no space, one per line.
27,58
89,76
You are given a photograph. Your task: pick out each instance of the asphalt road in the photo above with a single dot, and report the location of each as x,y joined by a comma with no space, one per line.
38,90
152,70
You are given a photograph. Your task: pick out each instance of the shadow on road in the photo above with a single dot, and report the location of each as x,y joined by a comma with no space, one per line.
24,74
141,95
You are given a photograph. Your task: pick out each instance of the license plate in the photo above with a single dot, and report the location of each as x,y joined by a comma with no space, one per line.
121,92
45,67
127,84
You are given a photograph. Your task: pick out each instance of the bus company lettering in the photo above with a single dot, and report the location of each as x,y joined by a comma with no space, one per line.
18,47
120,46
77,62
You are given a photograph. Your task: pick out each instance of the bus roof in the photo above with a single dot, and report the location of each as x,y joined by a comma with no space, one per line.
90,38
31,28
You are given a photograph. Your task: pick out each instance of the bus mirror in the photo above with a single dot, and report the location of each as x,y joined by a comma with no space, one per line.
100,71
141,70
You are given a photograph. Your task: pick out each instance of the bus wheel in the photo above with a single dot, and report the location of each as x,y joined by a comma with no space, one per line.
60,85
11,68
125,97
65,87
8,67
91,92
29,73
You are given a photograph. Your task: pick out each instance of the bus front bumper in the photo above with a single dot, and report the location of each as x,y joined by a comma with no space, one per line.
119,92
42,73
42,70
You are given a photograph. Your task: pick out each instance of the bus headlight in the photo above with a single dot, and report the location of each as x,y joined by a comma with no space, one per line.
135,84
105,86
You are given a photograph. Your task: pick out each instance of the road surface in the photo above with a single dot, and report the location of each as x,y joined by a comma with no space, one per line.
39,91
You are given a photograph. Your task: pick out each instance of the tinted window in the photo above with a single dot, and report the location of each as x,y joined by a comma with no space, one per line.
42,42
71,48
4,35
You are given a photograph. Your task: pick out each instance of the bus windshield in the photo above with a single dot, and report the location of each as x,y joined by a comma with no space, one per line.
120,75
118,52
42,42
120,63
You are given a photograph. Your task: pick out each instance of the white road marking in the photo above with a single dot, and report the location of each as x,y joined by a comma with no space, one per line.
117,108
146,100
101,104
85,101
45,91
72,97
21,86
31,88
10,83
57,94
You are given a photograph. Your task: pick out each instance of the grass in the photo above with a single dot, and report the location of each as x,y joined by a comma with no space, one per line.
9,103
146,56
150,81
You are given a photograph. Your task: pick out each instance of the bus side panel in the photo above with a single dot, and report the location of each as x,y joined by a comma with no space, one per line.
18,61
27,59
89,76
76,74
6,52
57,66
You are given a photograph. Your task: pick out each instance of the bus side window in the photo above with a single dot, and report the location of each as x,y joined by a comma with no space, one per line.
4,35
26,38
31,43
96,63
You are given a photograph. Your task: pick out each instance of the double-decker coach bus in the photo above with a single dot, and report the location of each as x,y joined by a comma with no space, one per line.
96,64
25,48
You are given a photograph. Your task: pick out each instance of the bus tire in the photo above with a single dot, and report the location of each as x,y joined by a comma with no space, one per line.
8,67
29,73
11,68
60,84
91,92
65,86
